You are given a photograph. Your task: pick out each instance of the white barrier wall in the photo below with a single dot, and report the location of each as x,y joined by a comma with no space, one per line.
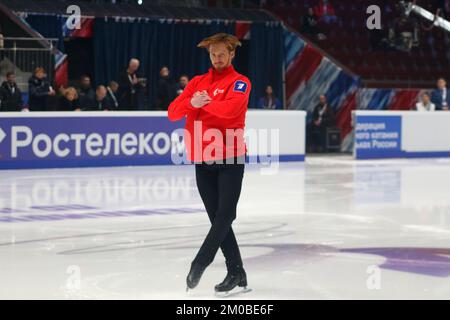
286,133
86,139
401,134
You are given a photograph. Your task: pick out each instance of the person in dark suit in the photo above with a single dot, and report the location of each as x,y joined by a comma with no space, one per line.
112,94
102,101
86,94
322,118
130,90
10,95
69,100
39,90
166,91
441,96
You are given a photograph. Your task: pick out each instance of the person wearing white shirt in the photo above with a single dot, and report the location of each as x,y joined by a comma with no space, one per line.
425,104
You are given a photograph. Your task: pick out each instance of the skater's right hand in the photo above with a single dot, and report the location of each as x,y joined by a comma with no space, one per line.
200,99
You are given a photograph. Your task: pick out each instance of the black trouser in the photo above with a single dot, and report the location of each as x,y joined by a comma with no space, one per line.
220,187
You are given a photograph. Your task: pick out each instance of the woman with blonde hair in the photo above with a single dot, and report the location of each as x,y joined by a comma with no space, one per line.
69,100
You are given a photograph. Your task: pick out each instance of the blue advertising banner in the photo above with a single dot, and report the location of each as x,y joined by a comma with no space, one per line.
378,137
97,139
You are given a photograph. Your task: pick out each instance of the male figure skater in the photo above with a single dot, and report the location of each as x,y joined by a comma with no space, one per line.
217,102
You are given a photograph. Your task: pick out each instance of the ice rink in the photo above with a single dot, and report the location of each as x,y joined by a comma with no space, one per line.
329,228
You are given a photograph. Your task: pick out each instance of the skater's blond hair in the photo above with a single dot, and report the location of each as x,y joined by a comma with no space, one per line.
230,41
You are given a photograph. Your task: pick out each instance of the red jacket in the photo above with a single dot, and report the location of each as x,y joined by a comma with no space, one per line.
230,92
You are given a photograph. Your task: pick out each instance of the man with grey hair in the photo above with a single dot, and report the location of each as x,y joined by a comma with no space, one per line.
130,89
102,101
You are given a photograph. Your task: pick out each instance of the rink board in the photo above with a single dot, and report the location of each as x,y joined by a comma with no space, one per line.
102,139
401,134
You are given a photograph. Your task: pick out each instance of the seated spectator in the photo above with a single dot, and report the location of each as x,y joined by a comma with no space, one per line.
112,93
322,119
182,83
325,12
166,90
102,101
404,34
10,95
269,100
39,89
86,94
69,100
309,25
441,96
425,104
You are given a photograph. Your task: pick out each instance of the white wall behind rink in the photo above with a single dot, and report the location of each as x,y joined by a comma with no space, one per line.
421,131
290,125
426,131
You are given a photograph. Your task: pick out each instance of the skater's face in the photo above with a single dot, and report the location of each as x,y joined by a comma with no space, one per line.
220,56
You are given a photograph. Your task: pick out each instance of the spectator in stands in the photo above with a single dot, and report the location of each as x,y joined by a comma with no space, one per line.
166,90
441,96
86,94
322,119
182,83
112,93
269,100
69,100
425,104
10,95
102,101
309,25
130,89
404,34
325,12
39,90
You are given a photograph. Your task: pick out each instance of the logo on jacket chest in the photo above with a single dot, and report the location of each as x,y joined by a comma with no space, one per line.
217,91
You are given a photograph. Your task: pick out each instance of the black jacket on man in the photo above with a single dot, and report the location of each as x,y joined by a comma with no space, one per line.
86,97
101,105
129,94
327,117
10,97
38,93
165,94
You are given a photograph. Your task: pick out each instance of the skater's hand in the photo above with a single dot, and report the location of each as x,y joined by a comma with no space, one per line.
200,99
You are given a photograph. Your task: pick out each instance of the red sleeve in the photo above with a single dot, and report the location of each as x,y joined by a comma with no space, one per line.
235,101
180,107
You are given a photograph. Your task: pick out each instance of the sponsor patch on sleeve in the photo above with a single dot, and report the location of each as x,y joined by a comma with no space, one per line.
240,86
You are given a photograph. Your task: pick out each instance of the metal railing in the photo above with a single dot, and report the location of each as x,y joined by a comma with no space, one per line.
23,55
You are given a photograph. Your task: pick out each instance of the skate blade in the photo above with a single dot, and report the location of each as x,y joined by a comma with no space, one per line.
233,293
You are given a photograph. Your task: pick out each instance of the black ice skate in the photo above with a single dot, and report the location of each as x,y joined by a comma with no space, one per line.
236,278
194,275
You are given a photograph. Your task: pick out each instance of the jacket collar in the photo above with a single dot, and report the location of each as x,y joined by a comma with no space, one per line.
218,75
